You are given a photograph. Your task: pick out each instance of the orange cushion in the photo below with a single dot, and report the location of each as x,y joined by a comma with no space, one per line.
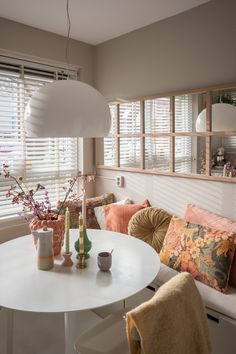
118,216
207,218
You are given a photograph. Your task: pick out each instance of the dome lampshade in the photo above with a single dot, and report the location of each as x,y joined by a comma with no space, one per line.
67,108
223,118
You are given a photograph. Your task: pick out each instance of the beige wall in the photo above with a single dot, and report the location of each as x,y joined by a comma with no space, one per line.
31,41
190,50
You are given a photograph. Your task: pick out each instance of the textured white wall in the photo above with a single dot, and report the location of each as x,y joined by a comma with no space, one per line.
171,193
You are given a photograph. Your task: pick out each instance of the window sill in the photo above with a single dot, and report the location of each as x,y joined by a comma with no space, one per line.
9,222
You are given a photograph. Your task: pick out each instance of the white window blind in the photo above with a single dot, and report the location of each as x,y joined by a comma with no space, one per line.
110,141
157,119
229,142
130,152
49,161
130,117
129,123
157,115
183,113
157,153
183,124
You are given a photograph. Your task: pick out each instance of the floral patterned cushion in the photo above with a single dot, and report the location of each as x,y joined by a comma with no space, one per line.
197,215
75,208
204,252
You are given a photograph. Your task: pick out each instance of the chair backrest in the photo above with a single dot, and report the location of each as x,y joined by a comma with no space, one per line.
174,319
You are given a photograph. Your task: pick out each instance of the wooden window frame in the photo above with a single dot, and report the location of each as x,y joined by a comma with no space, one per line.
208,134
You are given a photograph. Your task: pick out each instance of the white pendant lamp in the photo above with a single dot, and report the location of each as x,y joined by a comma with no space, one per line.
223,118
67,108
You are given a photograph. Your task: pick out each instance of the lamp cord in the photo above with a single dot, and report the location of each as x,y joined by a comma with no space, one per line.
68,34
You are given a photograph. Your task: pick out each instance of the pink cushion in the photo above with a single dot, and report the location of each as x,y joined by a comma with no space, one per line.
207,218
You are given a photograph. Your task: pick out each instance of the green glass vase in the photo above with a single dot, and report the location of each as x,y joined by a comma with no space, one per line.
87,244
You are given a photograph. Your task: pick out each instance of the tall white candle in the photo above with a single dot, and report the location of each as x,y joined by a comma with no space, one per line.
81,234
67,227
84,202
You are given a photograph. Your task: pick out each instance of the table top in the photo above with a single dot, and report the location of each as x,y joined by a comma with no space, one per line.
63,289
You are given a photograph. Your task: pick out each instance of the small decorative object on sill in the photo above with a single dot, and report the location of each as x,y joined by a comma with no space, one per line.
220,156
45,249
229,170
79,245
67,262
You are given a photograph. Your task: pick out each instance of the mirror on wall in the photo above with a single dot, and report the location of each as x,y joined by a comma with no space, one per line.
183,134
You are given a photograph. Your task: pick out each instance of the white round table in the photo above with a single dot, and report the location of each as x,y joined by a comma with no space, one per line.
64,289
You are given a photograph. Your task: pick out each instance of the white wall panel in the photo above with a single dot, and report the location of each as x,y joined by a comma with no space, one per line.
171,193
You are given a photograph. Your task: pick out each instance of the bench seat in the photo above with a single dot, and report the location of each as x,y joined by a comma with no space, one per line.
224,304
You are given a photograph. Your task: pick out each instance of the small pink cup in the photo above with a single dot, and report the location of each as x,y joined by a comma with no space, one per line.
104,261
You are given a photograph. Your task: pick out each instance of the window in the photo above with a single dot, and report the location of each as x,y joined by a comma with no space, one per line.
49,161
162,135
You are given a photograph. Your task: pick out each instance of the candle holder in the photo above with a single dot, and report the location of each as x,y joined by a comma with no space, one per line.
67,262
81,261
79,246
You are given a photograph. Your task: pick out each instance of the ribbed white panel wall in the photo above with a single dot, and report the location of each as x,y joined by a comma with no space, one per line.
171,193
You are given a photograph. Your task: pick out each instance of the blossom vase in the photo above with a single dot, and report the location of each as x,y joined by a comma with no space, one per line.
58,226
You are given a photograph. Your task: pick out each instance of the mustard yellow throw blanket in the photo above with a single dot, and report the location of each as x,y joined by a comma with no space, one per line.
172,322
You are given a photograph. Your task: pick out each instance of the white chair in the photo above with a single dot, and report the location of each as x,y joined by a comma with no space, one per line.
173,319
107,337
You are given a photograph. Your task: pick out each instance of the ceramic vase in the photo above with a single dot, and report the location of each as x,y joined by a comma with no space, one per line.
58,226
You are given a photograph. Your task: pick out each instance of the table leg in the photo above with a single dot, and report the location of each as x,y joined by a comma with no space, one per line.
75,323
10,319
67,334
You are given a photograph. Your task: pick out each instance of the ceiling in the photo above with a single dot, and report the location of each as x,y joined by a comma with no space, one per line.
93,21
